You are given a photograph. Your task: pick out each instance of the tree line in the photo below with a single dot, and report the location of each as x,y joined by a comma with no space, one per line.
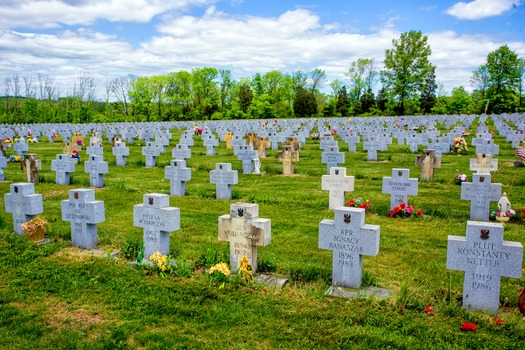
405,86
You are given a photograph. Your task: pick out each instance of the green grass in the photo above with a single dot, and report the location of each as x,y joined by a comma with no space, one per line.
56,297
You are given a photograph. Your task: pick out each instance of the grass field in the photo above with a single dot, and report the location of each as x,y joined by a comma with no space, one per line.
54,296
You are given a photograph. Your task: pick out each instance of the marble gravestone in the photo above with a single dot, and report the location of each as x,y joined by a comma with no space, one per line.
245,231
84,213
96,168
23,203
30,165
3,165
288,156
337,183
399,187
151,151
178,174
332,158
157,219
63,166
428,161
349,238
484,163
247,154
181,151
21,147
484,257
223,177
480,192
120,151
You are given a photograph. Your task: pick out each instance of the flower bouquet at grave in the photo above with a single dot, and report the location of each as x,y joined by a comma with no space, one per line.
162,263
75,155
460,145
14,159
405,211
359,203
35,229
460,178
219,273
512,215
314,136
8,140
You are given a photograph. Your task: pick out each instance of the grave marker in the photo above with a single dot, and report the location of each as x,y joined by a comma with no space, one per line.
399,186
120,151
30,165
485,257
483,163
157,219
332,158
480,192
428,162
245,231
288,156
63,165
84,213
337,183
151,151
350,239
223,177
23,203
96,168
3,165
178,174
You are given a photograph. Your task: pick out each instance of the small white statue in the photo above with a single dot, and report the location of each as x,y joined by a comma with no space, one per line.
503,205
257,165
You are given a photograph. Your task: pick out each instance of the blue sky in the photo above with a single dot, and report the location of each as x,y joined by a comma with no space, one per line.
63,39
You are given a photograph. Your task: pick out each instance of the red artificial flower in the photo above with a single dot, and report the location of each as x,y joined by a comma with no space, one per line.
402,205
419,212
428,309
498,320
468,327
409,209
351,203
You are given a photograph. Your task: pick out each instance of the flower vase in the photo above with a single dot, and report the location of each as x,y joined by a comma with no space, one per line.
502,218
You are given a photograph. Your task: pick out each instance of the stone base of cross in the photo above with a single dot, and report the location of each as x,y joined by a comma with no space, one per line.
349,238
245,231
485,257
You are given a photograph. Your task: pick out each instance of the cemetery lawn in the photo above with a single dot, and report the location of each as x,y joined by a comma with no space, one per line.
53,296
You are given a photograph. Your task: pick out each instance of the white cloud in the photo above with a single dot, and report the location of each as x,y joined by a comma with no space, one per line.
295,40
479,9
53,13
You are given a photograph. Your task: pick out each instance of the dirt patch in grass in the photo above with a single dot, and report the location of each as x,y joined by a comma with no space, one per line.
78,254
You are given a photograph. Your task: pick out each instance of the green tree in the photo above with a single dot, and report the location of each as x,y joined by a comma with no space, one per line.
406,67
503,80
305,104
245,97
460,102
141,96
205,92
428,98
343,102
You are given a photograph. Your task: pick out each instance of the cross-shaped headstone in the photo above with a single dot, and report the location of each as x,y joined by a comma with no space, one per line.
151,151
120,151
247,154
483,163
288,156
157,219
487,146
399,186
21,147
349,238
210,142
337,183
485,257
69,147
428,162
96,168
237,142
23,203
181,152
223,177
245,231
372,145
30,166
480,192
332,158
178,174
262,145
63,165
84,213
327,142
228,138
3,165
95,148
